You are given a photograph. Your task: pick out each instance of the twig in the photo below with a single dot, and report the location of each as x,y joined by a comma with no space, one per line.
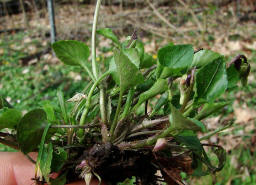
192,13
156,12
150,123
144,133
9,143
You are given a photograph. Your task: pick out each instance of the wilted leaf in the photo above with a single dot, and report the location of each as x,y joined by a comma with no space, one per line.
204,57
9,118
211,81
129,74
108,33
71,52
30,130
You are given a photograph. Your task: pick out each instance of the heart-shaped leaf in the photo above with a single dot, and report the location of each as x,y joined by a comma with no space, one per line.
108,33
211,81
129,74
9,118
176,57
71,52
204,57
30,129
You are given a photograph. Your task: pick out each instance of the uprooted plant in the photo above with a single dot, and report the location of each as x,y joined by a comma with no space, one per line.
137,115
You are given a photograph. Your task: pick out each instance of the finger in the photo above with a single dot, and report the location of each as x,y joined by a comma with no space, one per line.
16,169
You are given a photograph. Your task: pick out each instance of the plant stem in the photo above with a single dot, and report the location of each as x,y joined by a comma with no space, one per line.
94,28
150,123
73,126
88,102
9,143
113,126
215,132
94,66
128,103
88,71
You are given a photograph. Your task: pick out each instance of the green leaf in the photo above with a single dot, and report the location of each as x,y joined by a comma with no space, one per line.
233,77
209,109
71,52
62,106
198,123
46,160
30,130
163,100
113,69
176,57
159,87
129,74
133,56
9,118
204,57
190,140
147,61
211,81
147,84
108,33
60,156
179,123
140,48
49,110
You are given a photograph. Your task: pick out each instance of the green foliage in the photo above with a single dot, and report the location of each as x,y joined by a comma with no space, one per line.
135,95
30,130
177,59
211,81
158,87
9,118
129,74
204,57
108,33
71,52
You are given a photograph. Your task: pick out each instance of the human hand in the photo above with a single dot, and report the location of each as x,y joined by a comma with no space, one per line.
16,169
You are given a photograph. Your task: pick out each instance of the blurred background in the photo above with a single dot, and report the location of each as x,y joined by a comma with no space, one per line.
30,73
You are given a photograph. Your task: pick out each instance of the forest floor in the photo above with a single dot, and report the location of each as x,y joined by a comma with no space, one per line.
29,73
